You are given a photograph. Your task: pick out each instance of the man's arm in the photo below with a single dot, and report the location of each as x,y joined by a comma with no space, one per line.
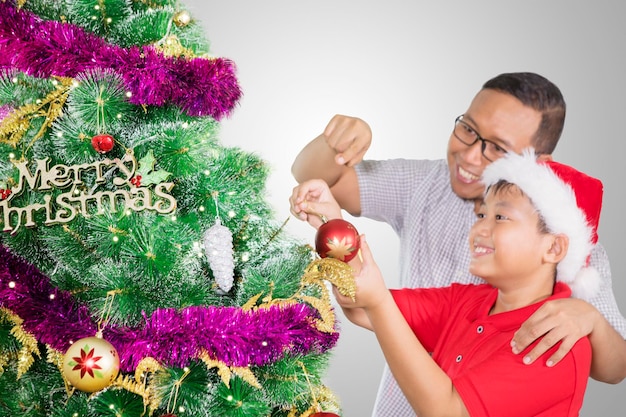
608,362
331,157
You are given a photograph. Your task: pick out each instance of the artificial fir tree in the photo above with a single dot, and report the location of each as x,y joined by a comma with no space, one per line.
141,270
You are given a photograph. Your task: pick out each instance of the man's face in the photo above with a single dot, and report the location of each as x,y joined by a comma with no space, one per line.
499,118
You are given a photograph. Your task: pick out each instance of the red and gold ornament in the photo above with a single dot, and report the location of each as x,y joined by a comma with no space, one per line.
323,414
103,143
91,364
337,239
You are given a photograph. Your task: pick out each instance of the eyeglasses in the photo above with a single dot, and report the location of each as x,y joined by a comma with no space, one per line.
468,136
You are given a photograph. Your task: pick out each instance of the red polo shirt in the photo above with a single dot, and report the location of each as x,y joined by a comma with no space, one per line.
473,348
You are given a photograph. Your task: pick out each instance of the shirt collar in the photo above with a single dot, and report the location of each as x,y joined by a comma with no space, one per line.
513,319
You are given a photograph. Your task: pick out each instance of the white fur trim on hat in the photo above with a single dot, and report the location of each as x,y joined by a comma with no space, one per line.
556,203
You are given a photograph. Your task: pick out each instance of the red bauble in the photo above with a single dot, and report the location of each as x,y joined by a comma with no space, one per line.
337,239
324,415
102,143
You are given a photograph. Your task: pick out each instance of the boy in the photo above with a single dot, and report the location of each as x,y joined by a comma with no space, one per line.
536,227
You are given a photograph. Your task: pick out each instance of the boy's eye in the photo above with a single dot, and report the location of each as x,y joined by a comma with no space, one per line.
500,217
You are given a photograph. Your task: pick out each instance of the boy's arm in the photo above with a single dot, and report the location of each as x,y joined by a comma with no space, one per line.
426,386
331,157
358,316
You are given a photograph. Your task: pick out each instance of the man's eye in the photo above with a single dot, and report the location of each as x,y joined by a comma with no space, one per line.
469,130
496,149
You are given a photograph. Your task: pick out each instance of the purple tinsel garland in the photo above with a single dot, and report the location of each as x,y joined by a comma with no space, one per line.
49,48
4,112
173,337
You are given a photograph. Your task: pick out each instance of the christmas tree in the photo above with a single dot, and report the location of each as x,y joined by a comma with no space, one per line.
142,272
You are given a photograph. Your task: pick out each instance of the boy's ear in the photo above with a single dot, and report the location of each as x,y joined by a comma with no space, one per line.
558,249
544,157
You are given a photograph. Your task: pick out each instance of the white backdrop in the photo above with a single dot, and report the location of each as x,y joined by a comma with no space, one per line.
409,68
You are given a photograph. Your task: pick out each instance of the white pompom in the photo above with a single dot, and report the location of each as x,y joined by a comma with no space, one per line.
586,284
218,247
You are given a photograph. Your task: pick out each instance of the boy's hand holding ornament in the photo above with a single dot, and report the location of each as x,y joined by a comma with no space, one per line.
336,241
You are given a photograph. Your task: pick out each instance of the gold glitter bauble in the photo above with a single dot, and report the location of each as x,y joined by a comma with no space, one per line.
182,18
91,364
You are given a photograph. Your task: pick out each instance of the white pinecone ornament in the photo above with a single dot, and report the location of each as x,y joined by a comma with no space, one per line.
218,247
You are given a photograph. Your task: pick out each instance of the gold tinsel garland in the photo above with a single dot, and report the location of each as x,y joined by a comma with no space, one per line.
226,372
19,121
338,273
142,385
26,355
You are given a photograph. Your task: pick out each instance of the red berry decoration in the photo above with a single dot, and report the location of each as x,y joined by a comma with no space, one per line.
136,180
102,143
337,239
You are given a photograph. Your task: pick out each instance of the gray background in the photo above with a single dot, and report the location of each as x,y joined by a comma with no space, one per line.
409,68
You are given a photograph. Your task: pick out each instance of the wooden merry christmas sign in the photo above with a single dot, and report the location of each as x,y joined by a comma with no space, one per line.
130,191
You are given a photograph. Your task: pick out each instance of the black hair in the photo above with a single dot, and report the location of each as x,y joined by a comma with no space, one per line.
539,93
505,186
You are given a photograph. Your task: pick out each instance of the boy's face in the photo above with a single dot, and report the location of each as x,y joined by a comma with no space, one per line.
506,244
499,118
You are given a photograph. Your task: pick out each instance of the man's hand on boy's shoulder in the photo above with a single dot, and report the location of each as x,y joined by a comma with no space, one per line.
564,320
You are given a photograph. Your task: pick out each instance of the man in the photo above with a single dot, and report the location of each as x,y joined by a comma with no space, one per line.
431,206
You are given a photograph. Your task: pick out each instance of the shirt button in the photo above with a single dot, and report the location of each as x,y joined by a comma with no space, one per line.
480,329
458,358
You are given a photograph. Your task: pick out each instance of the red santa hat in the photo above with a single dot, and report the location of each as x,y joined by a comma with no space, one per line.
569,201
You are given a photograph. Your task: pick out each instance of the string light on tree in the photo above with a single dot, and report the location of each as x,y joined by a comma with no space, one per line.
182,18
